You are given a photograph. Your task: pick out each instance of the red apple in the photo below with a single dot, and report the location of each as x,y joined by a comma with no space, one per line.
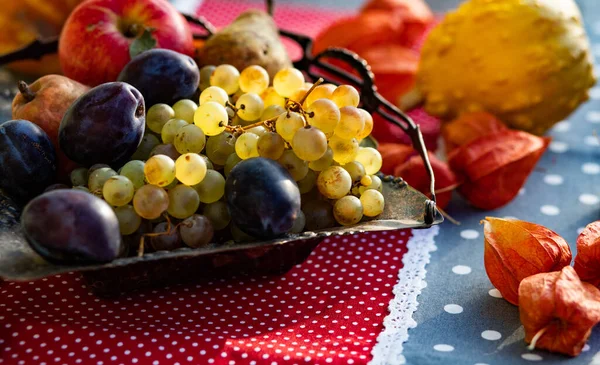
94,43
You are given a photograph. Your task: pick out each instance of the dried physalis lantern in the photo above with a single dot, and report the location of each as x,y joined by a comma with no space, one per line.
587,261
558,311
516,249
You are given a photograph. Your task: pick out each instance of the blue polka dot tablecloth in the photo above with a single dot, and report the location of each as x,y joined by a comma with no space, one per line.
461,318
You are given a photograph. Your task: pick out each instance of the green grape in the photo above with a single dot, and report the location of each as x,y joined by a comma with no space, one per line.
298,95
149,142
232,160
287,81
309,143
185,110
270,145
295,166
212,118
323,114
118,190
345,95
226,77
308,183
209,164
322,163
259,130
334,182
183,201
370,158
190,169
348,210
165,149
196,231
238,235
205,73
366,180
98,178
250,106
82,188
216,94
211,188
219,147
323,91
254,79
190,138
158,115
372,202
134,171
218,214
344,150
79,177
272,111
318,215
160,170
375,185
368,127
356,171
150,201
270,97
171,128
245,146
299,223
230,113
287,125
129,220
96,167
173,184
351,123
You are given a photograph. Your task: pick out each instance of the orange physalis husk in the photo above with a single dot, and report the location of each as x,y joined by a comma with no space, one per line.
516,249
494,167
587,261
414,11
468,127
558,311
393,155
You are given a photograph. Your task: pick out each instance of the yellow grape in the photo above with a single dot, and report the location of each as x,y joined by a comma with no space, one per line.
226,77
232,160
322,163
334,182
270,145
214,93
344,150
190,169
299,94
185,109
323,114
98,178
272,111
356,170
160,170
287,125
375,184
309,143
323,91
345,95
254,79
287,81
348,210
171,128
351,123
270,97
118,191
129,220
150,201
158,115
366,180
294,165
190,138
259,130
183,201
245,146
218,148
250,106
370,158
372,202
212,187
212,118
368,127
205,73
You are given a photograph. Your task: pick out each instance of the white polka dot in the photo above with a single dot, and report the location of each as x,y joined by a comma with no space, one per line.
443,348
591,140
522,191
550,210
590,168
532,357
491,335
461,270
480,363
558,147
593,116
469,234
495,293
552,179
595,91
563,126
588,199
453,308
586,348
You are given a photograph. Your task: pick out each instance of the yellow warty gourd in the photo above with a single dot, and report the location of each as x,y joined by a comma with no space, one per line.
526,61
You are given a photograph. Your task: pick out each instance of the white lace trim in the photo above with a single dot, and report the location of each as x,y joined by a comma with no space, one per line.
389,347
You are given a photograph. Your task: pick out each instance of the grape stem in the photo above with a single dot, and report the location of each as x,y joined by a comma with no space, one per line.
229,104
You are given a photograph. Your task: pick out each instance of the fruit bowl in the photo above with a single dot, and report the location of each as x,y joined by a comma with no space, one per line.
405,208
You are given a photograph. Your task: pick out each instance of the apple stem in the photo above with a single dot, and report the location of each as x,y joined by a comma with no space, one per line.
26,91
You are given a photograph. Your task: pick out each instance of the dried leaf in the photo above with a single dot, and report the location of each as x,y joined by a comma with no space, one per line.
516,249
468,127
558,311
587,261
494,167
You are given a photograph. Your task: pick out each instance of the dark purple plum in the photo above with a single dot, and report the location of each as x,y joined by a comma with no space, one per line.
262,198
162,76
105,125
72,227
27,160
